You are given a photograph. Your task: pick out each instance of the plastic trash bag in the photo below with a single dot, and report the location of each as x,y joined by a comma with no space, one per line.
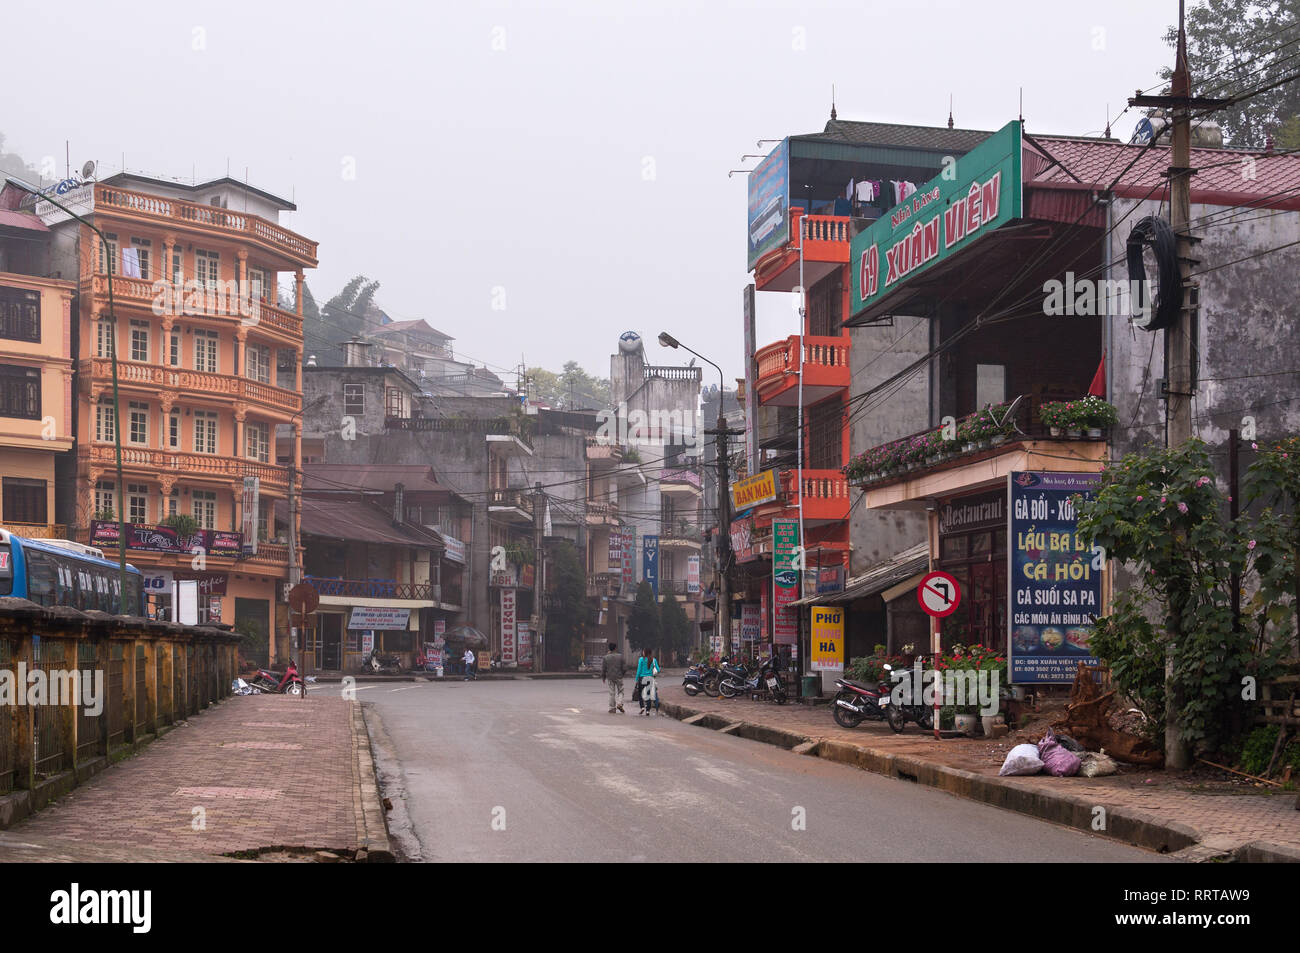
1057,760
240,687
1097,764
1022,759
1069,744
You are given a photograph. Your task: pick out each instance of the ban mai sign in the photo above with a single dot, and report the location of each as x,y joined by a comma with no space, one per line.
972,196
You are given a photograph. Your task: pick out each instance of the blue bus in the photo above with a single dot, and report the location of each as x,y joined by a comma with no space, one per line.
58,572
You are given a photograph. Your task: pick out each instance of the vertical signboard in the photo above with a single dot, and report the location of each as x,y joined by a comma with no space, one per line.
1054,579
692,574
751,384
827,639
509,627
769,203
751,621
785,580
248,506
650,562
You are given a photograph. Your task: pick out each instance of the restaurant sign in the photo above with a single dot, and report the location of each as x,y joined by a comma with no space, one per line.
164,539
1054,578
379,617
751,491
972,196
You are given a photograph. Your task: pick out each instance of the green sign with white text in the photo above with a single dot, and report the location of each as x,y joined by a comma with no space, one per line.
971,197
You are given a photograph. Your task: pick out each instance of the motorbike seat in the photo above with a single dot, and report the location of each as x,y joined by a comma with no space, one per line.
861,686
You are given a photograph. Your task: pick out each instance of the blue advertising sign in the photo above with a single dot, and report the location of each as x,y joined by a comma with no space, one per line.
650,561
1053,578
769,203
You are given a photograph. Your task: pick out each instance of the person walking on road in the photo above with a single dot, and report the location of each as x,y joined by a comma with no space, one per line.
469,664
611,673
647,692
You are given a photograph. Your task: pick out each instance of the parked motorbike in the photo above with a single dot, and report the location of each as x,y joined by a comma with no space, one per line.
276,683
857,701
701,678
737,680
383,664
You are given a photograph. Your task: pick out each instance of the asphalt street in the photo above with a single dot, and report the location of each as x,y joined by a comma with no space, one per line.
540,771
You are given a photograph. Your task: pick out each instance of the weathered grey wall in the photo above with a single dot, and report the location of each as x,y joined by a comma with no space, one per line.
878,354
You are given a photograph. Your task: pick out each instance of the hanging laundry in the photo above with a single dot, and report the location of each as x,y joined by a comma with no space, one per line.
131,262
908,189
849,190
868,191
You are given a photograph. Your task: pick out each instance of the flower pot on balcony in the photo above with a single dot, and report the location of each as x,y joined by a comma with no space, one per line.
1054,431
968,448
1094,433
985,444
1074,433
998,440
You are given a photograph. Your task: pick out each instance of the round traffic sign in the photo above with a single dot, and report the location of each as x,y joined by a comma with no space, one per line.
303,598
939,594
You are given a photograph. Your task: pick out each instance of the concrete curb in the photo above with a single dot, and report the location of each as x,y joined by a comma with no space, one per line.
1138,828
372,824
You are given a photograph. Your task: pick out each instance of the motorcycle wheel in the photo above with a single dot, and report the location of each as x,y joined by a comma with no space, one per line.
691,689
780,696
728,689
294,689
926,720
894,715
711,686
843,717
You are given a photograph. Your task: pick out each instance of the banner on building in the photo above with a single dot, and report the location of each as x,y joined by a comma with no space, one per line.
164,539
692,574
827,639
455,548
785,581
509,627
629,557
751,491
248,508
742,540
650,562
379,617
769,204
751,621
615,559
1054,579
751,395
830,579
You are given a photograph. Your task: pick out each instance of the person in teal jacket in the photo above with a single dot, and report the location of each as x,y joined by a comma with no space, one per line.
647,667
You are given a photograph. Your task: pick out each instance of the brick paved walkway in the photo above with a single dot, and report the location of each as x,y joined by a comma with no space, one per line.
1224,820
258,771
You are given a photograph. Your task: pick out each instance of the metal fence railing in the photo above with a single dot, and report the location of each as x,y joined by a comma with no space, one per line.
6,726
88,725
113,709
51,752
141,675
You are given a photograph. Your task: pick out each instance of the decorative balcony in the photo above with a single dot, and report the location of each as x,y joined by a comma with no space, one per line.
677,480
680,534
140,293
375,588
825,370
825,240
825,494
185,383
209,219
515,506
602,514
37,530
603,584
678,587
151,464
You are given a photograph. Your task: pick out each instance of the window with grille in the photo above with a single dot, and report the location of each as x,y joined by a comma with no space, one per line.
204,503
258,363
137,501
138,420
393,402
20,392
205,431
258,442
206,347
207,267
825,436
104,420
24,500
139,340
20,315
354,399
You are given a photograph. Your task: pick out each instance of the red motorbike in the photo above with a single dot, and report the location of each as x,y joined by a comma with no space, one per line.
275,683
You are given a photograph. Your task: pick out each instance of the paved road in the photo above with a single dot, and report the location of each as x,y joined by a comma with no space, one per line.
569,782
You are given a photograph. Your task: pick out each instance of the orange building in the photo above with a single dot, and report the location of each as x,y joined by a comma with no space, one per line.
209,381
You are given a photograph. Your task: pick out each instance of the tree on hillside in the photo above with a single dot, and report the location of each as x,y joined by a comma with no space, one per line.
571,388
342,318
643,625
1235,46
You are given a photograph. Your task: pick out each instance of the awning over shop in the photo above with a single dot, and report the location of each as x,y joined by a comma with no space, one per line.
362,522
901,567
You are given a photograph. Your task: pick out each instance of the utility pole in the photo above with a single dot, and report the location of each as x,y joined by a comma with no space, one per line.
722,611
1180,339
539,578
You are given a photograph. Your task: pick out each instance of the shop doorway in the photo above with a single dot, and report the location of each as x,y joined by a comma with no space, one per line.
330,628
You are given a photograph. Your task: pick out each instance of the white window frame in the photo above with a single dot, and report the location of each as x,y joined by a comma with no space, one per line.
257,362
205,431
207,267
207,350
140,328
104,420
144,248
105,497
103,338
203,507
137,417
137,495
257,441
359,403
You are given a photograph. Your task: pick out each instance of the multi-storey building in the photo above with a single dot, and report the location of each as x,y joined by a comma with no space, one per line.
36,317
208,377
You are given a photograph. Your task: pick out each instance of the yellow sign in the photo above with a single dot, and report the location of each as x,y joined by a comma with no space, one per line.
827,639
751,491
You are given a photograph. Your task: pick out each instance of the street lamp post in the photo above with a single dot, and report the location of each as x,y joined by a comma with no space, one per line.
120,488
722,612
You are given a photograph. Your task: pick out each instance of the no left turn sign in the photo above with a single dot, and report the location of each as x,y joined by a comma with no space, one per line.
939,594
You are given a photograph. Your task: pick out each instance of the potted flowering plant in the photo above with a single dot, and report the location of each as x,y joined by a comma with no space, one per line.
1060,416
1095,413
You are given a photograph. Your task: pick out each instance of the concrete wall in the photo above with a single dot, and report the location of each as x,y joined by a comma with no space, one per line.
877,354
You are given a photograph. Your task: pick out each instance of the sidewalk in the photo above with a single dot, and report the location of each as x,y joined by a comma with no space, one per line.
251,774
1152,809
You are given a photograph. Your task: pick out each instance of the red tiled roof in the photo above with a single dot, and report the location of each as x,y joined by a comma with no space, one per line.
1224,176
12,219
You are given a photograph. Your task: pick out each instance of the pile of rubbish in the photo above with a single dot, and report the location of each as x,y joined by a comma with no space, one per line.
1058,755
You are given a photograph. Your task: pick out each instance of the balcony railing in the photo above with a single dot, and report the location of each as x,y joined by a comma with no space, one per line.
678,587
825,228
140,292
603,583
374,588
677,475
824,358
686,532
191,382
500,426
37,530
209,217
517,499
201,465
602,512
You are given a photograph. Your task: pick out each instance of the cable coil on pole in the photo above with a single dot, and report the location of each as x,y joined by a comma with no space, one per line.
1155,233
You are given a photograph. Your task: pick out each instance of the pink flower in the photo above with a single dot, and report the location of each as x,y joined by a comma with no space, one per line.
1254,446
1139,499
1182,507
1251,544
1163,499
1202,481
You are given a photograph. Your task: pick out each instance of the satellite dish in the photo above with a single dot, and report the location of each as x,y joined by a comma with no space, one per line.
88,170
